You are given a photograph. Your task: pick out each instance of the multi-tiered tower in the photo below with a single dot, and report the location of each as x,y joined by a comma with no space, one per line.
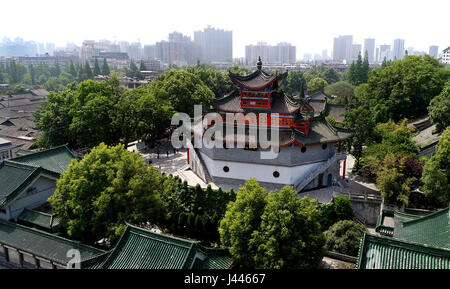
309,148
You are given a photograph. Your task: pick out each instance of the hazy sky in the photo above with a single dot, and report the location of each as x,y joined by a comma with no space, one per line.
310,25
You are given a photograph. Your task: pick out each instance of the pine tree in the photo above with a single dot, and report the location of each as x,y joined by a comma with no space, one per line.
97,68
384,64
32,76
80,76
358,70
57,69
142,66
302,91
72,69
133,69
365,69
351,76
105,68
88,71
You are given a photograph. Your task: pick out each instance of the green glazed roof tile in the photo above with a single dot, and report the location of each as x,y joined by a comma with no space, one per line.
41,219
387,253
142,249
56,159
42,244
431,230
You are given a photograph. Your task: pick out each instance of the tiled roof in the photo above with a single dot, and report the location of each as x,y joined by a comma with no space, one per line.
322,132
318,95
19,172
44,220
337,111
318,105
142,249
14,177
217,259
56,159
42,244
231,103
257,79
430,230
388,253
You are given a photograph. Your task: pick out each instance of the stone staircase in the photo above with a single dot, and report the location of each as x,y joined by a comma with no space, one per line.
205,168
302,184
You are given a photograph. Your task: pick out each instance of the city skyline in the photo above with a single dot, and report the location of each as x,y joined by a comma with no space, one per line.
377,22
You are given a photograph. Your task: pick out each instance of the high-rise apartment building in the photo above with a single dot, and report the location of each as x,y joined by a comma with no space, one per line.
149,51
433,51
216,45
385,52
179,50
342,48
282,53
369,46
87,50
399,49
356,50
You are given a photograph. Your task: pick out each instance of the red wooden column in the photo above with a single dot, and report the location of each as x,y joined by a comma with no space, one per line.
187,155
343,171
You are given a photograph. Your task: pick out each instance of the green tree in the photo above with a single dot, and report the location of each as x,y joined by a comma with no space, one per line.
242,219
216,81
81,75
361,121
316,84
142,66
344,237
53,118
289,236
184,90
108,187
331,76
364,77
392,181
32,74
88,71
436,172
439,109
294,82
93,118
343,91
337,210
105,67
406,87
96,68
143,114
72,69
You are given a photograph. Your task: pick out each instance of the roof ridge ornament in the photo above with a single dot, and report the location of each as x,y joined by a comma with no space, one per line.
259,63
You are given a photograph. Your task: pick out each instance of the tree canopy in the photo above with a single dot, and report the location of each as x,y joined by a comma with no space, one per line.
289,236
294,82
439,109
344,237
316,84
343,91
242,219
184,90
436,172
108,187
406,87
277,230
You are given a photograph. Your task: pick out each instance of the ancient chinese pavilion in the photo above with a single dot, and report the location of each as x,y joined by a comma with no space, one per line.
309,148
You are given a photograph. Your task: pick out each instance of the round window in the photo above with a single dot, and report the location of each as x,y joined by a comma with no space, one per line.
226,169
324,146
276,174
303,149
